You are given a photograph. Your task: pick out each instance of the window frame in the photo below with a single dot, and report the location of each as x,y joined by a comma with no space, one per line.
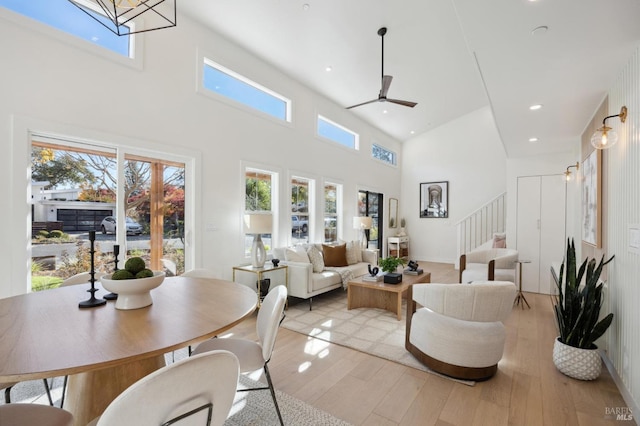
383,148
275,195
205,60
26,128
136,43
356,136
309,214
339,204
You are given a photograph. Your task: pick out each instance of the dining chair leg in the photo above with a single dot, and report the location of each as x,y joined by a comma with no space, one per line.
273,393
64,390
46,388
7,395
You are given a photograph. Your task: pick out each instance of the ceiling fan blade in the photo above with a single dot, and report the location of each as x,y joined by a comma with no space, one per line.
405,103
386,82
364,103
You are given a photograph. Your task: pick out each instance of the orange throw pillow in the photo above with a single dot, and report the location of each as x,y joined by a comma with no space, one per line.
335,255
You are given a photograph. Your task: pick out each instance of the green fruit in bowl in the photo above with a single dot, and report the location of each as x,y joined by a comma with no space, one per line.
145,273
135,265
122,274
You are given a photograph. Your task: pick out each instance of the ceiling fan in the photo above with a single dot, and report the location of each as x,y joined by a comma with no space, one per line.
386,82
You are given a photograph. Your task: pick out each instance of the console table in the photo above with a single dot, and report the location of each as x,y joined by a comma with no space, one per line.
398,247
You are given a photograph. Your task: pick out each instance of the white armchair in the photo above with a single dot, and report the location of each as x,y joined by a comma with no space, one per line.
457,329
495,264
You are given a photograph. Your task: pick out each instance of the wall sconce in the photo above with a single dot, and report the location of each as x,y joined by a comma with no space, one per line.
605,137
567,173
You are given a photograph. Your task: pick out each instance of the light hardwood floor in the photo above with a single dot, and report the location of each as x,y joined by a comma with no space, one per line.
366,390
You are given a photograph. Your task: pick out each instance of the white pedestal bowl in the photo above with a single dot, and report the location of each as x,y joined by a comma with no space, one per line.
134,293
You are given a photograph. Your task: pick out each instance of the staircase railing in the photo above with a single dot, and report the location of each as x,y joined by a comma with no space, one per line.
479,226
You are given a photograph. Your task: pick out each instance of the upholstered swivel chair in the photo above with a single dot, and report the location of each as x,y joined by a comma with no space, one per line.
190,390
457,329
495,264
256,355
34,414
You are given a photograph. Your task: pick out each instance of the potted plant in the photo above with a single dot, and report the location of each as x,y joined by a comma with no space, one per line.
577,315
391,263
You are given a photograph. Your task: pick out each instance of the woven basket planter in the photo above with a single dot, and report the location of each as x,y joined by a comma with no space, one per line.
581,364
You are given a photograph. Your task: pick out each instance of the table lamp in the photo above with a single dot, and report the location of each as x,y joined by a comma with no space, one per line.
362,223
257,224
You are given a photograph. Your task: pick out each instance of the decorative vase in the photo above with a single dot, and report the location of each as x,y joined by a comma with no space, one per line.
402,232
581,364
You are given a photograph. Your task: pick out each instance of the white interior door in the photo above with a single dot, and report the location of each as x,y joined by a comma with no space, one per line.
552,218
528,231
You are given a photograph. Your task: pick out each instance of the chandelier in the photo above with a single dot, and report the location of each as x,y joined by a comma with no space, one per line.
125,17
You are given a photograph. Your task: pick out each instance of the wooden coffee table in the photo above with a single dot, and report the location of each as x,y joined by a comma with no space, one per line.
365,294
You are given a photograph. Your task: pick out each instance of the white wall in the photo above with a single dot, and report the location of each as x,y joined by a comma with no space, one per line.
468,153
46,79
621,194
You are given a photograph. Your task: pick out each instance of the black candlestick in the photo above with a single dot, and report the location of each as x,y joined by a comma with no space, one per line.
116,252
92,301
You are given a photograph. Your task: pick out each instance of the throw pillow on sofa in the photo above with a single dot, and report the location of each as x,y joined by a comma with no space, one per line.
352,253
335,255
297,254
316,258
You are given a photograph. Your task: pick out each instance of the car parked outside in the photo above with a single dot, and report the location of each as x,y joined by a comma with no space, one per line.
299,223
108,225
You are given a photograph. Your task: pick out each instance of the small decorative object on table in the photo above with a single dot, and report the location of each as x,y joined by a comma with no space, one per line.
116,252
133,284
390,265
92,301
413,268
275,262
373,276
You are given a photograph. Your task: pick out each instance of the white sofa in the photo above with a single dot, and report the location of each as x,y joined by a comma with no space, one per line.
307,279
495,264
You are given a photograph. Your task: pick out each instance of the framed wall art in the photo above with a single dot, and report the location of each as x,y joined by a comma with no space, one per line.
591,202
434,199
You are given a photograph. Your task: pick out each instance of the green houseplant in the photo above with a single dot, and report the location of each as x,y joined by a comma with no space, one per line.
578,316
391,263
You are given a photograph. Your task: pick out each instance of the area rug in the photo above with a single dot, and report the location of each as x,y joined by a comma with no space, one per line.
249,408
257,409
374,331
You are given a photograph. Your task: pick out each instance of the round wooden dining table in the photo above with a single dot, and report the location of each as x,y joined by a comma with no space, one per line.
104,350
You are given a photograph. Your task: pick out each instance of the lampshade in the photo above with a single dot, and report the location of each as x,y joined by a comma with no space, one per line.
362,222
258,223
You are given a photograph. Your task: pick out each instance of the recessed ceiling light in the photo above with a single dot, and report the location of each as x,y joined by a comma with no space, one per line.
384,111
532,140
328,68
535,107
540,30
413,132
306,6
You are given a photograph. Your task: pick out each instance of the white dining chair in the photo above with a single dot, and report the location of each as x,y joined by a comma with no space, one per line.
194,391
34,414
81,278
256,355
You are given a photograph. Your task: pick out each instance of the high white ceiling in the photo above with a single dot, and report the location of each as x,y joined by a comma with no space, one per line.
450,56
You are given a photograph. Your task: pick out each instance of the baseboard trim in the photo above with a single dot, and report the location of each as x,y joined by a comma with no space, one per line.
628,398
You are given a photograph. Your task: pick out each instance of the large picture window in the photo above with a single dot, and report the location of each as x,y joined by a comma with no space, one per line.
76,190
332,197
301,190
